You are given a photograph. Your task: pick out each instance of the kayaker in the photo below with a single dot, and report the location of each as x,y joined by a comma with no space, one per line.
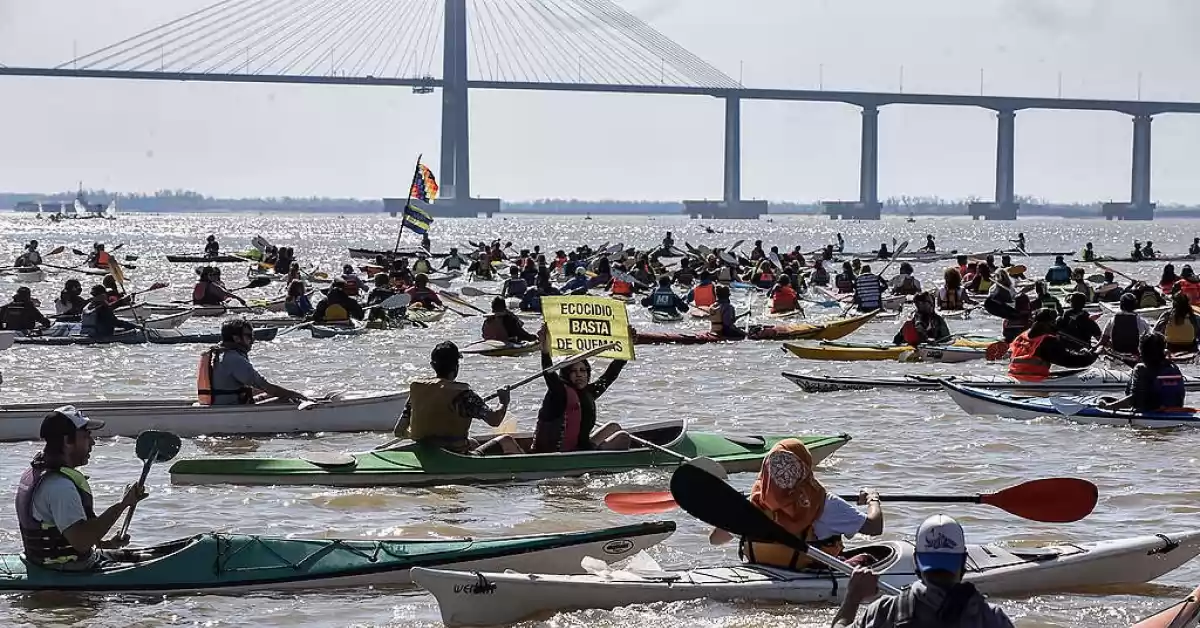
576,285
99,258
30,257
297,303
1155,384
454,261
841,244
21,313
422,265
59,527
952,297
1136,254
905,283
1166,283
1035,350
70,301
788,491
208,292
504,326
820,274
422,294
225,376
1045,299
284,258
1194,249
1059,273
1088,254
705,292
868,290
567,418
337,306
722,318
664,299
117,297
1180,326
1109,291
1188,285
685,276
981,282
425,242
212,248
1076,323
351,283
1020,242
1082,286
763,276
1014,271
784,297
1148,251
621,284
930,246
938,599
382,292
757,253
514,287
440,409
1123,332
1147,296
925,326
98,319
844,281
668,243
531,301
481,270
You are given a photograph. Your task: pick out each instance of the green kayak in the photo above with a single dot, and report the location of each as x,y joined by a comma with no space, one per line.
410,464
230,563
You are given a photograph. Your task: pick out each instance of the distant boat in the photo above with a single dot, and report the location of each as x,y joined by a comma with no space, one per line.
911,217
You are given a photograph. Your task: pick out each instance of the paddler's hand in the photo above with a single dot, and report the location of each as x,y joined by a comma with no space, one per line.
863,585
543,336
504,395
134,493
117,542
866,496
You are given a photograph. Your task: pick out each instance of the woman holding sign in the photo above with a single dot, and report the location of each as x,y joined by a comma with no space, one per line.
568,412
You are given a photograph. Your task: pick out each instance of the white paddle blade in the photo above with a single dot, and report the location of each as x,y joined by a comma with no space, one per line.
1067,407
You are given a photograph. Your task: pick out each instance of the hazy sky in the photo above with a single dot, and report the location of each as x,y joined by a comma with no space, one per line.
347,141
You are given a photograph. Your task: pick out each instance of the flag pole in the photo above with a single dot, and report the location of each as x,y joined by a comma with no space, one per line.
416,171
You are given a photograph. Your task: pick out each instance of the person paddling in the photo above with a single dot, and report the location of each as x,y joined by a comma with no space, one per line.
1194,249
868,290
930,245
567,418
440,409
1020,242
577,284
663,299
70,302
723,319
905,283
925,326
952,297
422,295
704,294
212,248
1077,324
59,527
939,599
784,297
1058,274
98,319
21,313
788,491
338,307
1088,254
1155,384
1123,332
1180,326
30,257
226,377
208,291
504,326
1188,285
1035,350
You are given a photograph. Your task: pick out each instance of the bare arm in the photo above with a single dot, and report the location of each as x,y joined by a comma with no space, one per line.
87,534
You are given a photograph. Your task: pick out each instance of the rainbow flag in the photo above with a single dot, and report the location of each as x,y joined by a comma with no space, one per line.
424,185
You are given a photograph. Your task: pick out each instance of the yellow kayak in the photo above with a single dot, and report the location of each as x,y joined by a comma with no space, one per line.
960,350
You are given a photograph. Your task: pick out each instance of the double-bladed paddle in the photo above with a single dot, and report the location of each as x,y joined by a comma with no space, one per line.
152,446
711,500
1050,500
476,292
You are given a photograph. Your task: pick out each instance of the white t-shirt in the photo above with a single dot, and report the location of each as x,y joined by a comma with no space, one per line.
57,501
838,517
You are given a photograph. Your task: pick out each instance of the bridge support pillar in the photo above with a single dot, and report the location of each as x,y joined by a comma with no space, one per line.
868,174
1005,207
455,158
733,150
1140,206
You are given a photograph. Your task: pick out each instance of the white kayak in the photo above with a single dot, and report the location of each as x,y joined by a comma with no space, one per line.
29,275
981,402
1148,313
166,321
477,599
660,316
129,417
1074,380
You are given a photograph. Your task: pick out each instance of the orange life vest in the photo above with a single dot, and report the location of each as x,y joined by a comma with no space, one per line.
622,288
784,299
204,377
704,295
1191,289
102,259
1025,365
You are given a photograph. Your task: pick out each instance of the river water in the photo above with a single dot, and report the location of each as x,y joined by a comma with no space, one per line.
908,442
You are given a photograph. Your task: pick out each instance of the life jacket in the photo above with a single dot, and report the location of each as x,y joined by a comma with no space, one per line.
1166,286
663,299
776,555
906,613
844,283
102,259
621,288
716,318
1126,338
45,544
453,262
514,288
951,299
1169,388
1025,365
985,285
725,275
89,320
572,420
784,300
434,419
868,292
204,378
1191,289
820,276
335,313
17,316
353,285
494,328
200,294
765,280
422,266
1180,336
1058,274
910,333
704,294
424,296
908,285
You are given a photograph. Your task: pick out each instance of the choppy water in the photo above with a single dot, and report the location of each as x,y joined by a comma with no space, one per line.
904,441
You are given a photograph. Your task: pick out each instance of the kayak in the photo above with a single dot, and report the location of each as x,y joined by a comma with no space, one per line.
273,305
923,353
371,254
129,417
1075,380
831,330
29,275
1130,260
1183,614
215,562
660,316
152,336
1079,409
331,331
204,259
497,349
474,598
169,321
410,464
424,315
1148,313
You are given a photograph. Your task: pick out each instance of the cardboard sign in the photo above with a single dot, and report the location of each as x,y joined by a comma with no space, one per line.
578,324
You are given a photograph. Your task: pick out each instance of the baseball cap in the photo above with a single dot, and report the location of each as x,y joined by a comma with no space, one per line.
65,421
940,545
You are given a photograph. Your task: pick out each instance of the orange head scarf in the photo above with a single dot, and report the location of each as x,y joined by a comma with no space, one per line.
786,488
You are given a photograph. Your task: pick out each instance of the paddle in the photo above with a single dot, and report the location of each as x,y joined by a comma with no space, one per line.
718,504
476,292
152,446
7,339
1051,500
394,302
453,298
1114,271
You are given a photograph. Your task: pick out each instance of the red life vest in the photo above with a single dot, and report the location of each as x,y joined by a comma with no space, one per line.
622,288
102,259
909,332
704,295
1191,289
784,299
1025,365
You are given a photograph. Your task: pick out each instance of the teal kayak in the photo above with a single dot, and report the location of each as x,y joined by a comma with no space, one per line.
410,464
230,563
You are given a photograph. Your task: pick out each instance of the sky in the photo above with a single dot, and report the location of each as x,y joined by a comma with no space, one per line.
272,140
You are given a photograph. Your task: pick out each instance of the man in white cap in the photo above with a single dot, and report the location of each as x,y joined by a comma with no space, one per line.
59,527
939,599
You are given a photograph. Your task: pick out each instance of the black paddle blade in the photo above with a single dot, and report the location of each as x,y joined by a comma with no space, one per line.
163,446
718,504
259,282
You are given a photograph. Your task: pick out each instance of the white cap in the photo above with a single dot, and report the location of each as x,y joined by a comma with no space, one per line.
940,545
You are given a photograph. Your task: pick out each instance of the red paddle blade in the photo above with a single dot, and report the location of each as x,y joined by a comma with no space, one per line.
1052,500
640,503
